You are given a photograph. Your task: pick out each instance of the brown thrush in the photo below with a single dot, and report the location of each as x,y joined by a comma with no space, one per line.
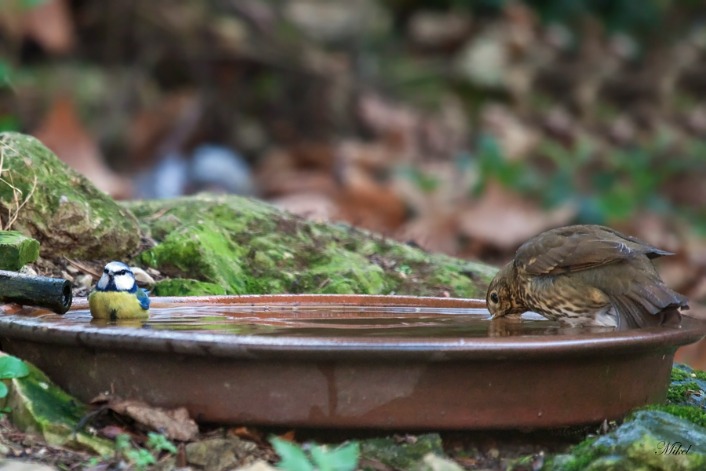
585,275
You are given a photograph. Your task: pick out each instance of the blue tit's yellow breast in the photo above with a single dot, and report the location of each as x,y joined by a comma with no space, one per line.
115,305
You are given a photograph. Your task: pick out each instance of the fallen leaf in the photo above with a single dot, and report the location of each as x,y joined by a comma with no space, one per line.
432,231
248,433
221,453
370,204
51,26
516,138
505,220
163,127
439,29
62,131
259,465
313,206
112,431
174,423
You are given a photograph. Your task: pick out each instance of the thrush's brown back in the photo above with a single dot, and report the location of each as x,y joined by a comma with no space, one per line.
588,257
582,247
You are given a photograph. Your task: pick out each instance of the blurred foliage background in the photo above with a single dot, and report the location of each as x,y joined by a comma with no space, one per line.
463,127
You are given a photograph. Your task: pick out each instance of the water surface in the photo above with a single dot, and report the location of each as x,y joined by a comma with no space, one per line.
319,320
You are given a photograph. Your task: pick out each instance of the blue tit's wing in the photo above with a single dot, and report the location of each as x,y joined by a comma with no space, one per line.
143,298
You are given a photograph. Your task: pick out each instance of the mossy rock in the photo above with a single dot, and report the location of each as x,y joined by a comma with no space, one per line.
36,405
396,455
250,247
58,206
668,436
186,287
650,440
17,250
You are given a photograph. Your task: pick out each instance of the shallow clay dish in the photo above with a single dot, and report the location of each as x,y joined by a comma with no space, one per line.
352,361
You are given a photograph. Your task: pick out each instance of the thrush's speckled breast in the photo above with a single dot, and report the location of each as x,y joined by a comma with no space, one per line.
585,275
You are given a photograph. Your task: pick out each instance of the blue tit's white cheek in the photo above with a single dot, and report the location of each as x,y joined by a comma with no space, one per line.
124,282
103,282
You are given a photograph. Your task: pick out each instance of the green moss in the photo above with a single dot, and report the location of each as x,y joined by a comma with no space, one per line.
639,444
250,247
688,387
680,392
398,455
578,457
17,250
679,374
636,444
339,271
201,251
63,210
186,287
38,406
693,414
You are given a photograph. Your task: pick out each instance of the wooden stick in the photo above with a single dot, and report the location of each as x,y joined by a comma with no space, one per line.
41,291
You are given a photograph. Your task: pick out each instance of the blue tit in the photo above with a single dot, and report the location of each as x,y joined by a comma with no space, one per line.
117,296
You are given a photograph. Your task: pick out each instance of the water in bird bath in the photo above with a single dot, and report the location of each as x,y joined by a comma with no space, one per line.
332,320
351,361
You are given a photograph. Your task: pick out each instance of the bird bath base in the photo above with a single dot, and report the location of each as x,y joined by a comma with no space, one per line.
355,361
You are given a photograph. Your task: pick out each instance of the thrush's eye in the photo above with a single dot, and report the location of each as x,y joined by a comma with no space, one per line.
494,297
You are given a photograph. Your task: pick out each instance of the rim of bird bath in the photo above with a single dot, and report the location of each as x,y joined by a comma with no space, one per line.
352,381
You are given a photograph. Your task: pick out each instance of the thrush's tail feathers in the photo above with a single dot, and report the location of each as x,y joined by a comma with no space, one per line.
648,304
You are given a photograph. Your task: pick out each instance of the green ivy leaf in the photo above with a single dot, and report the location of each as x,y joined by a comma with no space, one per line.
343,458
159,442
293,457
12,367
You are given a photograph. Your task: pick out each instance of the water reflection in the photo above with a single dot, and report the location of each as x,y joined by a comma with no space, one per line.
332,321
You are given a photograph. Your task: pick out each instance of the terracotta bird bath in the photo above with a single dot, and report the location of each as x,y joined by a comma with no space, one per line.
352,362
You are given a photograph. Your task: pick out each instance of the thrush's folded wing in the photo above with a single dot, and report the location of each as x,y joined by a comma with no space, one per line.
642,299
575,248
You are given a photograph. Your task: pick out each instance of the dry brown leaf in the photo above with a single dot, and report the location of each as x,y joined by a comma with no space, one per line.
505,220
434,29
297,181
112,431
163,126
283,172
11,23
310,205
65,135
248,433
516,139
396,124
432,231
289,435
693,355
174,423
366,203
50,24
